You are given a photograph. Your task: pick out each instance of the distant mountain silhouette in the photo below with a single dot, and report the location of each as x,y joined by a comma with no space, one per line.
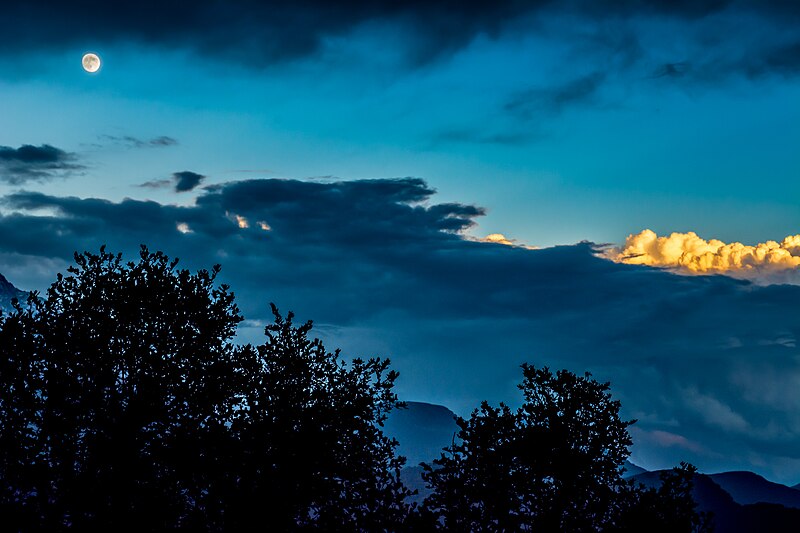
412,478
632,470
422,429
8,292
748,487
730,516
742,502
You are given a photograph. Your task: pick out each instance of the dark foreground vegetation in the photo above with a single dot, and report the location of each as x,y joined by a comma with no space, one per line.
125,405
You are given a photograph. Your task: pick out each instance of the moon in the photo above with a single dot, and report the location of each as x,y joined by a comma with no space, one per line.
91,62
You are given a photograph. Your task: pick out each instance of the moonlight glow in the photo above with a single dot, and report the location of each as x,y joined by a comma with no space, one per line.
91,62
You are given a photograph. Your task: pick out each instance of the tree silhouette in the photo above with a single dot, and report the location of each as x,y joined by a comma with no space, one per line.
666,508
124,404
120,382
313,454
552,465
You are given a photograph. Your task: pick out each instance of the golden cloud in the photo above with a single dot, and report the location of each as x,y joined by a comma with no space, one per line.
689,253
499,238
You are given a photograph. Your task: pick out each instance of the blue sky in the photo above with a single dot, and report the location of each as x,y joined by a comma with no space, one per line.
492,122
379,142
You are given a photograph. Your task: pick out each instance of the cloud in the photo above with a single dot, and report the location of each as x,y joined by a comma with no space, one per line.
186,180
480,136
672,70
384,269
183,181
553,100
156,184
252,32
135,142
499,238
260,33
781,58
666,439
686,252
35,163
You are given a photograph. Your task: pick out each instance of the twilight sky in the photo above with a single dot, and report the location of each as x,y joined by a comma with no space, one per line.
348,160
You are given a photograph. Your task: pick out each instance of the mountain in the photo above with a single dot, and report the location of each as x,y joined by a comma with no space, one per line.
747,487
730,516
741,502
411,476
7,292
632,470
422,430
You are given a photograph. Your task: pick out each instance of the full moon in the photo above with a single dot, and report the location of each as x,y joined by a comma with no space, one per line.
91,62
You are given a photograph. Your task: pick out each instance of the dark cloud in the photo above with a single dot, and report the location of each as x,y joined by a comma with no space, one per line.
156,184
254,32
753,61
135,142
35,163
783,59
259,33
183,181
162,141
708,364
186,180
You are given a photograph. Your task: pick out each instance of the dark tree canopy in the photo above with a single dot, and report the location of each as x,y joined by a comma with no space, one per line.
552,465
118,383
124,404
312,454
666,508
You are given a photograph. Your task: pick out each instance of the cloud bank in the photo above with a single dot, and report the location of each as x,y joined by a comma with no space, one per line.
259,33
35,163
709,365
686,252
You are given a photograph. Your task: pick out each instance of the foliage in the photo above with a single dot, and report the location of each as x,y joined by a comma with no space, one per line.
124,404
668,507
313,454
552,465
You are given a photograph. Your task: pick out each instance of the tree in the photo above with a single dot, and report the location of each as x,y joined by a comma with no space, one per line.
116,387
313,455
125,404
668,507
552,465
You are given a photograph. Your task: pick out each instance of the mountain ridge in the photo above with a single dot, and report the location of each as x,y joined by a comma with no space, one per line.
8,292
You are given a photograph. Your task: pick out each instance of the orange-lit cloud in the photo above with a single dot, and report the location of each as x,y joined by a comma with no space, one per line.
499,238
689,253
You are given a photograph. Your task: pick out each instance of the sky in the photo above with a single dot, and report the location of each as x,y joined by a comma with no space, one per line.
462,187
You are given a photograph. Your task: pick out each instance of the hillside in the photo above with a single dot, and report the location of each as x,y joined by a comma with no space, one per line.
8,292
